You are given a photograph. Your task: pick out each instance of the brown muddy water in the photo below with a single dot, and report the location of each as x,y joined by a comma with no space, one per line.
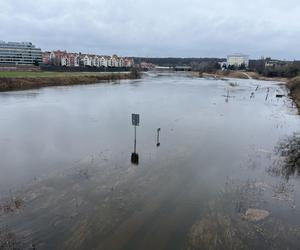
225,175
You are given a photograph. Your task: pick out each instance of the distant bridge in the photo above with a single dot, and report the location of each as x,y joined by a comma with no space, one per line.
176,68
183,68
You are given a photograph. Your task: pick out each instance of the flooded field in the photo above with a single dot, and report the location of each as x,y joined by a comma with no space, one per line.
224,176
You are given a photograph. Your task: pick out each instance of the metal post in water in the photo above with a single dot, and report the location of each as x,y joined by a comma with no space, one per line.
134,139
135,122
157,139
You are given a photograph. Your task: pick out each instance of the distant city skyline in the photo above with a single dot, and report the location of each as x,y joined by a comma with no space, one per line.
151,28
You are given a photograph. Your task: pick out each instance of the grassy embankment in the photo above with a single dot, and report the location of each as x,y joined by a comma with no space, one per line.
294,86
221,74
16,80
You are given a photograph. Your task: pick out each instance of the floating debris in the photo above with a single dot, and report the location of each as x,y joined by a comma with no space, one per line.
10,205
233,84
253,214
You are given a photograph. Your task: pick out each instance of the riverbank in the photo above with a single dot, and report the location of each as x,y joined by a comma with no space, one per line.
10,81
241,75
294,87
292,84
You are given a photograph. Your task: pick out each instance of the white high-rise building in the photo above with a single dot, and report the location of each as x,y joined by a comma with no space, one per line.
24,53
237,60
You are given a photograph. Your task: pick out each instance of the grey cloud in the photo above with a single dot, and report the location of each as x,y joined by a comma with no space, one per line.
156,28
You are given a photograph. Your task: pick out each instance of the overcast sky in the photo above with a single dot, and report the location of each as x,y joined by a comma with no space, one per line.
185,28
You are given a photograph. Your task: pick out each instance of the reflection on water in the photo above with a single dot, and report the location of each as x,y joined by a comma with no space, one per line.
135,158
67,182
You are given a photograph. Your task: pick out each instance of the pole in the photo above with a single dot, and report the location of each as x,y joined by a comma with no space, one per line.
157,139
134,139
267,94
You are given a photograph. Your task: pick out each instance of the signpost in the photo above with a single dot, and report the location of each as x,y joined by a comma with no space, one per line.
135,118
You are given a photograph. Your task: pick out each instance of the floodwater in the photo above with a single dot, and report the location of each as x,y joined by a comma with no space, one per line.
67,181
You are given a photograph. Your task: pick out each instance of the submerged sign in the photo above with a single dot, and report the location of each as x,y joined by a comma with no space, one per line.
135,119
135,122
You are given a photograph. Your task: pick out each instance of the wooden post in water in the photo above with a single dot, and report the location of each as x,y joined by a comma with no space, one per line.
267,94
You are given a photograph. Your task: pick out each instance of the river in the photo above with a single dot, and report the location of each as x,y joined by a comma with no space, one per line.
67,180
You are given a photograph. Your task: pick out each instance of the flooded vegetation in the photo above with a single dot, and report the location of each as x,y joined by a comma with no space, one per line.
217,166
288,162
237,219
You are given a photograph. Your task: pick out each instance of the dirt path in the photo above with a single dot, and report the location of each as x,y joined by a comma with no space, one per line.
244,73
